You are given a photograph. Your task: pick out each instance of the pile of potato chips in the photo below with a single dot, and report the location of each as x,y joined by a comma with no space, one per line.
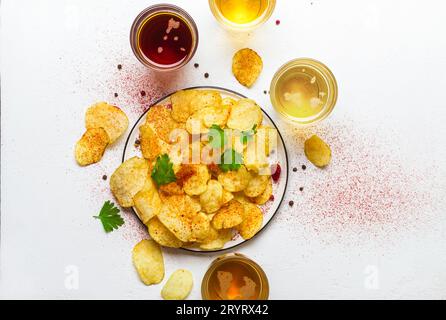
205,206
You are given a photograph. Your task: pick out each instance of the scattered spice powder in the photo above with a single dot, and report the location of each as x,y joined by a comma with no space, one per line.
143,93
276,170
277,22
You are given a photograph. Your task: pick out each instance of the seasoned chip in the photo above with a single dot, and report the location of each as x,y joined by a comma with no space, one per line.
148,261
111,118
234,181
90,148
162,235
147,201
228,102
177,213
151,145
128,179
195,124
224,235
201,227
317,151
216,115
211,199
246,66
245,114
228,216
204,99
256,186
226,197
265,196
181,101
178,286
252,221
160,119
171,189
196,184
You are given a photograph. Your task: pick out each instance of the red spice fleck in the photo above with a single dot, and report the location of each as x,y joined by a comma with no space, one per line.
271,198
277,22
276,170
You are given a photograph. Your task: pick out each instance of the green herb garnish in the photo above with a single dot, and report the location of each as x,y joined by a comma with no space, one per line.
162,172
109,216
217,137
248,134
231,160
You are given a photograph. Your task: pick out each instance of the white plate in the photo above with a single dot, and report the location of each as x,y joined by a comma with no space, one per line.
270,208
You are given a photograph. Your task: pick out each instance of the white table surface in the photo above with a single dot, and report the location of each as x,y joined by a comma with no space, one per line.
387,131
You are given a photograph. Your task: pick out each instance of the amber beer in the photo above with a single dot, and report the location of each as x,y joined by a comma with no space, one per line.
242,14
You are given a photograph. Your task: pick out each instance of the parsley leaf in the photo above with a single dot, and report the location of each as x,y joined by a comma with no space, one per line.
247,135
231,160
109,216
217,136
162,172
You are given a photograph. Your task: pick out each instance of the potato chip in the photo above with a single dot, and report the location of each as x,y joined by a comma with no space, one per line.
234,181
171,189
162,235
226,197
228,102
179,285
265,196
177,213
147,201
256,186
228,216
216,115
148,261
111,118
181,101
244,115
160,119
197,183
201,227
246,66
90,148
224,235
211,199
128,179
151,145
204,99
252,221
317,151
195,124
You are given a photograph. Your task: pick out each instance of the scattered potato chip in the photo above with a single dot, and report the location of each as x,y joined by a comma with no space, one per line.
216,115
128,179
195,124
90,148
246,66
211,199
111,118
234,181
244,115
197,183
162,235
148,260
181,101
179,285
252,221
256,186
228,216
224,235
160,119
317,151
151,145
147,201
176,214
204,99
